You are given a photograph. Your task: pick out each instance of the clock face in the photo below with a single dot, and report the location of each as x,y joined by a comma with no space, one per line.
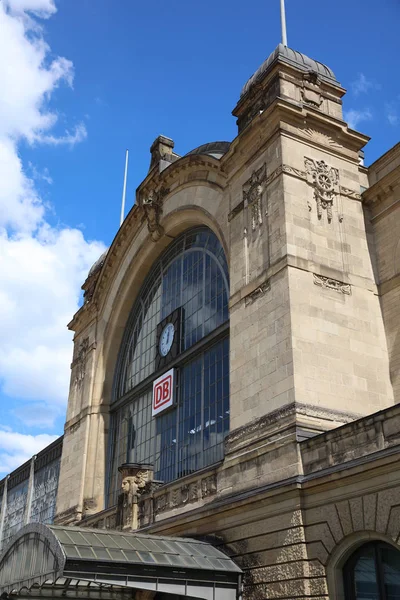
166,339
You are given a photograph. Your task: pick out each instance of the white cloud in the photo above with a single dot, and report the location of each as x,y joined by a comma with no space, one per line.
42,267
354,117
392,114
37,175
41,8
362,85
17,448
69,139
37,414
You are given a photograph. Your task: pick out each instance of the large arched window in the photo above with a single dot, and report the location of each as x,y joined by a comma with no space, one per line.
373,573
188,286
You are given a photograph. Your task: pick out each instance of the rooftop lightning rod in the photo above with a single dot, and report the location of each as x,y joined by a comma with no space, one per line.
283,23
124,190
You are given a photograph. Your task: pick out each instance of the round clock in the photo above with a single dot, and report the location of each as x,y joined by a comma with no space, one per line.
166,339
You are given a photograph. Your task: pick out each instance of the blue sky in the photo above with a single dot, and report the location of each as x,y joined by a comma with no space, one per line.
100,76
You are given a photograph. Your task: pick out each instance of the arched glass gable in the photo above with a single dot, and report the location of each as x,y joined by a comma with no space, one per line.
373,573
189,283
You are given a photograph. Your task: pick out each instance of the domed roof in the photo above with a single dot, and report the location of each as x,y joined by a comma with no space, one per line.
215,149
292,57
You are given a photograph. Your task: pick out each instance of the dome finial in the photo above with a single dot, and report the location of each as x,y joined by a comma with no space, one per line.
283,23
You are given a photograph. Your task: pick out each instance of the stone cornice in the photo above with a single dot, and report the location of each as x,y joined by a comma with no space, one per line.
378,192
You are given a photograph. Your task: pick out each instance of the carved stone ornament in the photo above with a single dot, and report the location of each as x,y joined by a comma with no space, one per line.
187,493
311,90
135,480
320,138
257,293
252,195
332,284
152,206
325,181
80,363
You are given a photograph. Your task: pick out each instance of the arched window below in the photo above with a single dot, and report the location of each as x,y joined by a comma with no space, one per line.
373,573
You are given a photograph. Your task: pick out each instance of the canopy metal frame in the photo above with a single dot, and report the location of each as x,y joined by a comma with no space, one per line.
69,562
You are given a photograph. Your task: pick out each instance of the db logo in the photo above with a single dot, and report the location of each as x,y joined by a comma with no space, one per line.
163,392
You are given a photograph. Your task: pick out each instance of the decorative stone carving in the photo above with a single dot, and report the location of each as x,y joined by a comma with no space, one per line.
257,293
311,91
350,193
80,363
325,181
209,486
184,494
332,284
135,479
152,205
252,195
238,208
320,138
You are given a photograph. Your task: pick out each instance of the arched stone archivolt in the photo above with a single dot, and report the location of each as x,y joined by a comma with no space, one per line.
333,531
130,275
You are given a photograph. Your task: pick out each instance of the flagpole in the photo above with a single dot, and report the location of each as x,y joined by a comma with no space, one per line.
124,190
283,23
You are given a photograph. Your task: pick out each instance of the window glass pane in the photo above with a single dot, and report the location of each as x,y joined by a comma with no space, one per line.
365,576
391,572
191,275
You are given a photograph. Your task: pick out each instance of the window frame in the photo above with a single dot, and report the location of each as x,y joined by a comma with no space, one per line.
199,348
348,568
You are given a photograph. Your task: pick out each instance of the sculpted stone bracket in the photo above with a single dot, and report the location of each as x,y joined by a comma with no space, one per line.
151,202
332,284
252,195
325,181
136,480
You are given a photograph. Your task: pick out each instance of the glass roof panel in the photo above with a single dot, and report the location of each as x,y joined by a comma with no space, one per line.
117,554
102,553
71,551
78,538
146,557
50,555
93,540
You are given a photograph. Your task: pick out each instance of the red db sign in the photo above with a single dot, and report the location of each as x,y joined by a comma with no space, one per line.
163,392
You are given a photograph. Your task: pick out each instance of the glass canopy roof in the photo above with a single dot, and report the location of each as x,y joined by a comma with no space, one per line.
69,558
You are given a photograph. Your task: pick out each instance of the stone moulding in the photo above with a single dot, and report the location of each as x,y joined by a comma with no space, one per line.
187,493
257,293
332,284
238,209
349,193
268,180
